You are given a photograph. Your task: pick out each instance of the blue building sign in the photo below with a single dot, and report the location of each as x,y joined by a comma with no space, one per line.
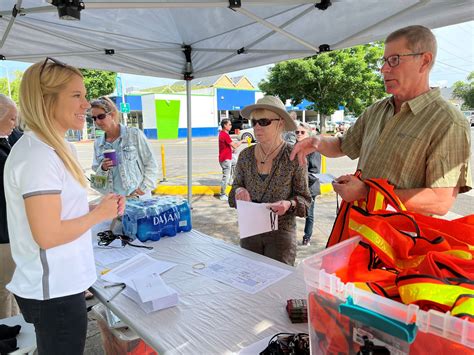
135,102
234,100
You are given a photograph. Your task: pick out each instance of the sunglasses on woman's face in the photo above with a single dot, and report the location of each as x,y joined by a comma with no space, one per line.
100,116
300,132
263,122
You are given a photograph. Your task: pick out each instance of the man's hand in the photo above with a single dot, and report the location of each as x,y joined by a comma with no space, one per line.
242,194
305,147
350,188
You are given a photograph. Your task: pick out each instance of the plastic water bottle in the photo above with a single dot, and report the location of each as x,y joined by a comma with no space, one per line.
167,220
185,224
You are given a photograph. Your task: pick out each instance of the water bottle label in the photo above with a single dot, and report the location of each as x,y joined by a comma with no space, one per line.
183,223
165,218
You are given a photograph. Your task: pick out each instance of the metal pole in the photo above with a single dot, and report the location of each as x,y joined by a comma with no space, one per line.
8,82
190,146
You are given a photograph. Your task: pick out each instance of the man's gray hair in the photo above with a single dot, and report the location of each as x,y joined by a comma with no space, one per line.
5,105
419,39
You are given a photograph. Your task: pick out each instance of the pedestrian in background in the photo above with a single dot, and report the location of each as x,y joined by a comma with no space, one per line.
48,213
8,120
135,171
227,160
314,167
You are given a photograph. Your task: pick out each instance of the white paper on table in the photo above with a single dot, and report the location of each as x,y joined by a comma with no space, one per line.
244,273
151,293
114,252
151,287
255,218
140,265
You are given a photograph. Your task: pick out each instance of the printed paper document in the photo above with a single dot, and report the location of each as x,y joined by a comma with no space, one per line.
244,273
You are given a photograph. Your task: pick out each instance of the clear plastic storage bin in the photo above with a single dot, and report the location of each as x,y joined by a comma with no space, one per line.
346,319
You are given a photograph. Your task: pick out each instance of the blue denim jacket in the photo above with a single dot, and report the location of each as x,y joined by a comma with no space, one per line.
137,167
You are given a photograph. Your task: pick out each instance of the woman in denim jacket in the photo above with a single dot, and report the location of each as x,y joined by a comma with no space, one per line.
136,172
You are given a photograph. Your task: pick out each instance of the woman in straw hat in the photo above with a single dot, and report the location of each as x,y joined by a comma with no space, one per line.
265,174
48,214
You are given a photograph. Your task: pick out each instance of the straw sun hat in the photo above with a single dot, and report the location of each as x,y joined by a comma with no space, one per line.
274,104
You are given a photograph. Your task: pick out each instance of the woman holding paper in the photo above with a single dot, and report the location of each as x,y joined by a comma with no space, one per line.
265,174
48,214
122,156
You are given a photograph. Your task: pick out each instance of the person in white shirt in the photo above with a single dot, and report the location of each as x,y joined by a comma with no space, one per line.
48,214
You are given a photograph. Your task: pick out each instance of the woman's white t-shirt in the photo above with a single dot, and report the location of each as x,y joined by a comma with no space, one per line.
33,168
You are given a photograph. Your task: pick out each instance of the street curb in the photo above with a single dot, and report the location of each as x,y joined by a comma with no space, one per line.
210,190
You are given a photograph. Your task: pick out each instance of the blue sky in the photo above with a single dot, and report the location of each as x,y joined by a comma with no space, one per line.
454,62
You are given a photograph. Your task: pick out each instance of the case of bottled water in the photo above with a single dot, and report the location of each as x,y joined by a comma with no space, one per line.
156,217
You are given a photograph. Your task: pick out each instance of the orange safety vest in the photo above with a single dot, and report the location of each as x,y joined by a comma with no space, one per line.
381,196
430,268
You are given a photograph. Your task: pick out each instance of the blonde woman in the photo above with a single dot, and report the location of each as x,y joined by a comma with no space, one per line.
265,174
135,172
48,215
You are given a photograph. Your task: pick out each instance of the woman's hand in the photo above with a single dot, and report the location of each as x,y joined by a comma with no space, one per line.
279,207
242,194
111,206
107,164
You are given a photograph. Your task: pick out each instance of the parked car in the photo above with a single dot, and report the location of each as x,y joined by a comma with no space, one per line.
247,133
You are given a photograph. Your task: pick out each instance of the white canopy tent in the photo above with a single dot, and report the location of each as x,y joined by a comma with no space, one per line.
192,39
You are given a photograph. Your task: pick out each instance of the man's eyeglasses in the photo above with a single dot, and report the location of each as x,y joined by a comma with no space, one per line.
107,237
55,61
300,132
100,116
263,122
394,60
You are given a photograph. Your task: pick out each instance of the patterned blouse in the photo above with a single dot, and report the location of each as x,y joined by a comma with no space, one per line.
286,180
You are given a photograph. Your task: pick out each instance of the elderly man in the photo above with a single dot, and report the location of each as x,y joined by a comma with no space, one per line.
8,114
415,139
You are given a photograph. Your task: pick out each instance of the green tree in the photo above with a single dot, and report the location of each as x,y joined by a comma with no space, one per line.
465,91
14,85
98,82
348,77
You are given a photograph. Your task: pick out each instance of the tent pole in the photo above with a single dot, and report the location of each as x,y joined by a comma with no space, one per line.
190,146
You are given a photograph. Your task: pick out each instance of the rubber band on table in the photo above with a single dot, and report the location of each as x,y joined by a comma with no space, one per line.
199,266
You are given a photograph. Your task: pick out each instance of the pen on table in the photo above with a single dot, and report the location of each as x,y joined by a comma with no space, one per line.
122,287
